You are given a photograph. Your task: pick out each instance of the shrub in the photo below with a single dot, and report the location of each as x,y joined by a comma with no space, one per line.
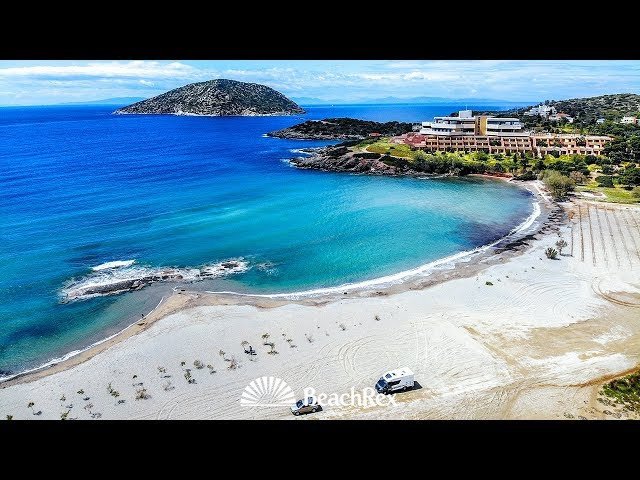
605,181
560,244
488,283
528,175
578,177
188,377
141,394
168,386
551,253
198,364
343,327
636,192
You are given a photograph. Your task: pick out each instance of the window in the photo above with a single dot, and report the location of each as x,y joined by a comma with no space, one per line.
394,383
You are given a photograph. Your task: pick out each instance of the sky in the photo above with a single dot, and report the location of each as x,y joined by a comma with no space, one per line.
51,82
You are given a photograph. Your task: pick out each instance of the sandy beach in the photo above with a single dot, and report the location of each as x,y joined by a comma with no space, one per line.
509,334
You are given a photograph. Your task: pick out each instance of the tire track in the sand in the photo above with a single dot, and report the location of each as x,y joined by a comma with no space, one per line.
605,260
591,236
348,352
633,229
581,233
624,243
611,236
572,236
596,286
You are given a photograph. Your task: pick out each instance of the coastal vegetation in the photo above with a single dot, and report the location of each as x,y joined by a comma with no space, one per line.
551,253
624,391
558,184
615,180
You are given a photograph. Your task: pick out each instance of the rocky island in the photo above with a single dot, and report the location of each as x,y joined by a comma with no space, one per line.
219,97
341,129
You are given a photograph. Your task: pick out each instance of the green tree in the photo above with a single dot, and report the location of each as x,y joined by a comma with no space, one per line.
630,176
559,185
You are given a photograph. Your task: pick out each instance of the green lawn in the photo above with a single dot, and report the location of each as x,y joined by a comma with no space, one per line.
383,146
615,195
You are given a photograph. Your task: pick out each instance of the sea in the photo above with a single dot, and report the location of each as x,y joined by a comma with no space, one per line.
88,197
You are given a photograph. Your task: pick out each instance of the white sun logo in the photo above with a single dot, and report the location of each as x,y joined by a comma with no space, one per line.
267,391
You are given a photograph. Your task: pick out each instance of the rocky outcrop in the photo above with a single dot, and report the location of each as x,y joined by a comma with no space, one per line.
115,280
217,98
340,158
341,128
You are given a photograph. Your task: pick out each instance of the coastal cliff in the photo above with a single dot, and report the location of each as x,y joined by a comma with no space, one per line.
217,98
341,129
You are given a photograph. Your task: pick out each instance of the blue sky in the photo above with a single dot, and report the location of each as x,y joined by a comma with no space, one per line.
50,82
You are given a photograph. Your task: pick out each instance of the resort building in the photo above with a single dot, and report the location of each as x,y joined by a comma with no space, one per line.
467,133
537,144
463,124
629,120
560,116
569,144
542,110
466,124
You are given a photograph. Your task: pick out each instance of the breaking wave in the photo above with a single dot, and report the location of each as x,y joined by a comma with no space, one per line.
122,276
115,264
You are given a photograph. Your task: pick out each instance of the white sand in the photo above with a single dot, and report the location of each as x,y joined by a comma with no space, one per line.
535,344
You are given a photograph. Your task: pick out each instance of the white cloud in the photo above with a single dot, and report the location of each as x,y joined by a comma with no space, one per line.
137,68
340,80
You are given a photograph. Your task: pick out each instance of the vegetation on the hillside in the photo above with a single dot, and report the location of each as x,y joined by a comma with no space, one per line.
341,128
585,111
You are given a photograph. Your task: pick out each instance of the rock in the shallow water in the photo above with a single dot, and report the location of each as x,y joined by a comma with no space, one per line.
219,97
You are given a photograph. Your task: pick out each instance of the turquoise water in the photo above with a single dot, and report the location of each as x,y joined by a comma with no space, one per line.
81,187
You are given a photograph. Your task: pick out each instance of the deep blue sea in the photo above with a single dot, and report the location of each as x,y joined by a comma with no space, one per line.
80,187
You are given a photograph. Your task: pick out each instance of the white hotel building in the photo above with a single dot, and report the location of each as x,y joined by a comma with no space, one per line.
466,124
496,135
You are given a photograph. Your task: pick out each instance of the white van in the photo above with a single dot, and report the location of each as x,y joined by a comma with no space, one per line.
397,380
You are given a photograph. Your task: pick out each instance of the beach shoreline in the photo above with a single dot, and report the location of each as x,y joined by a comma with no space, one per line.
510,334
460,265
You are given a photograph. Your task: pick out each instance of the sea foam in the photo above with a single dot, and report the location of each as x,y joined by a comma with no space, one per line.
118,277
114,264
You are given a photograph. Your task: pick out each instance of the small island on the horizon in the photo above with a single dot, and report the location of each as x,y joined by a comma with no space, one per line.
220,97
